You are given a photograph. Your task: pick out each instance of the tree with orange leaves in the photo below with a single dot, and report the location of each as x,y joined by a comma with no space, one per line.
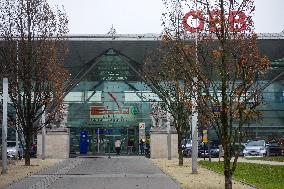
32,52
226,63
230,68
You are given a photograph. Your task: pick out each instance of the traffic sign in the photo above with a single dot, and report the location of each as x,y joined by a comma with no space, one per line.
141,125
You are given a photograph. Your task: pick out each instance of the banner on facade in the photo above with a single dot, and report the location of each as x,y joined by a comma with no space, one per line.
205,135
101,113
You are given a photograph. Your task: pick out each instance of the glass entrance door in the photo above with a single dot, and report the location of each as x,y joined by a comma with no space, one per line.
100,141
104,139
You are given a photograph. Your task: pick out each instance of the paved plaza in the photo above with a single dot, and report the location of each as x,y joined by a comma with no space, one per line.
99,173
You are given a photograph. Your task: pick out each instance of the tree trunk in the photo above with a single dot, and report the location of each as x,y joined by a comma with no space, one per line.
180,155
27,157
28,139
228,181
227,171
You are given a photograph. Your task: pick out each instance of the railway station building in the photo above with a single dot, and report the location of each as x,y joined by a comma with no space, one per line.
107,98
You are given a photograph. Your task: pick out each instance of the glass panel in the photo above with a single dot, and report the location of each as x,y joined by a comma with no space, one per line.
74,96
94,97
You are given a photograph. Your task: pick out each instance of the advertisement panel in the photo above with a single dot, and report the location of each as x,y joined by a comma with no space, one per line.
101,113
205,135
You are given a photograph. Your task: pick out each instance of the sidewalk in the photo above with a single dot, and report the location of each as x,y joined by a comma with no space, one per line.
17,170
119,172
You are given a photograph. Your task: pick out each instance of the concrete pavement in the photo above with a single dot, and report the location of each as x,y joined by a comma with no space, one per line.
118,172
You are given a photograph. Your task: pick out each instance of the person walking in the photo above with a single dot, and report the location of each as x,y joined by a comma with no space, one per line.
147,147
141,146
129,146
117,146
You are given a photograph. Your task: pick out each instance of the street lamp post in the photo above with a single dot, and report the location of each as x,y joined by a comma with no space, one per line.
169,136
194,117
194,155
43,135
209,145
4,126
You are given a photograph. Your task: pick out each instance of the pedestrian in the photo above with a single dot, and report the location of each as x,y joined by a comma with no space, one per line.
129,146
141,145
147,147
117,146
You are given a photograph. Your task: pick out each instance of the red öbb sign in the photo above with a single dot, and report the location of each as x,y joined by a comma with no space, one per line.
237,21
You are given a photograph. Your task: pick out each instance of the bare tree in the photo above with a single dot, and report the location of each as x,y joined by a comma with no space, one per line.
169,74
32,52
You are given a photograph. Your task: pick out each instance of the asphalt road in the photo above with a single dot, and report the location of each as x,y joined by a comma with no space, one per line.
100,173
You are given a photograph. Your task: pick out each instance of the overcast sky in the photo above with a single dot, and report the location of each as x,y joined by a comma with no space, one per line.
144,16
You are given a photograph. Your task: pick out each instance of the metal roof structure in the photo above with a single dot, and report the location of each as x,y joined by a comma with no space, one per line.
148,36
120,57
137,47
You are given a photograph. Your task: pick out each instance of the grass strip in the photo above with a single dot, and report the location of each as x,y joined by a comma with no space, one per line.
262,176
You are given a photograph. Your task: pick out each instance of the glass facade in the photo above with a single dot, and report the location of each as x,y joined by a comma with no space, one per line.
108,99
113,111
108,103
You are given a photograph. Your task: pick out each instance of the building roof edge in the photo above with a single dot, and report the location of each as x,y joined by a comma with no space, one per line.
148,36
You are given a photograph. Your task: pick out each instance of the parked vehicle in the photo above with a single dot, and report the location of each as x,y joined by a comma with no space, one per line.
187,152
256,148
186,143
186,147
274,149
214,149
11,150
203,151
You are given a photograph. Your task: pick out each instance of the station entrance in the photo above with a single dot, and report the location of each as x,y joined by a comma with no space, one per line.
100,140
105,138
106,102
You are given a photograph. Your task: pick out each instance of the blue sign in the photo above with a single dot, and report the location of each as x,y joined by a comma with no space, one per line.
83,142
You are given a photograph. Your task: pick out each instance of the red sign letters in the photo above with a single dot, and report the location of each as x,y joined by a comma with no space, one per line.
237,21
